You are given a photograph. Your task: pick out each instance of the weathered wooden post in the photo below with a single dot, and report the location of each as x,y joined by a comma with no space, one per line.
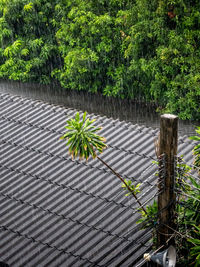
166,200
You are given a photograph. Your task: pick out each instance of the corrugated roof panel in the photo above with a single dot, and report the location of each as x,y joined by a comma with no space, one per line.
56,211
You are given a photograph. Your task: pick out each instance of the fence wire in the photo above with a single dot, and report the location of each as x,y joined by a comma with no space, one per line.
186,189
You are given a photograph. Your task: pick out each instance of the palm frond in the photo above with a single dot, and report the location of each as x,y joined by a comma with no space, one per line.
82,138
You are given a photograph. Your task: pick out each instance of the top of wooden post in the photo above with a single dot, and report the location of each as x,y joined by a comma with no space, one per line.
168,134
169,116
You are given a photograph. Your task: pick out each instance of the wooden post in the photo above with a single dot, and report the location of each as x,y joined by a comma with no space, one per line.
167,197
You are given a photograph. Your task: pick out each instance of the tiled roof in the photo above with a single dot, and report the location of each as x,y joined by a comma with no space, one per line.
55,211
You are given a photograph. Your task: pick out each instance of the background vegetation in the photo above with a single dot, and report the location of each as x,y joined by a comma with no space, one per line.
142,49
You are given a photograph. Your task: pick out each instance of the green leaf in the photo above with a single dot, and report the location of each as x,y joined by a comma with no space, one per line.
195,250
81,138
196,138
195,241
84,116
28,7
77,117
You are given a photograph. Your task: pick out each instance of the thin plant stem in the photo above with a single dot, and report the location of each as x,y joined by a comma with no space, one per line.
123,181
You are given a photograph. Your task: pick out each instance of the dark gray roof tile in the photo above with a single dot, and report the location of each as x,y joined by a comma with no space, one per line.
56,211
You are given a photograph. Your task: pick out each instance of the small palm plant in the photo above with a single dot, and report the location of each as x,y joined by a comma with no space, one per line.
83,142
82,139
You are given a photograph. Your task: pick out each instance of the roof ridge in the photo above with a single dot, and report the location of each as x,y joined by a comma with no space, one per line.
59,108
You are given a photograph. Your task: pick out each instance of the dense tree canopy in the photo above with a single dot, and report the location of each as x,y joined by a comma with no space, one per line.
145,49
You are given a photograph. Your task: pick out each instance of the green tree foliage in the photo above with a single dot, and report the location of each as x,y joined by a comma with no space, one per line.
27,36
90,39
165,54
147,49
